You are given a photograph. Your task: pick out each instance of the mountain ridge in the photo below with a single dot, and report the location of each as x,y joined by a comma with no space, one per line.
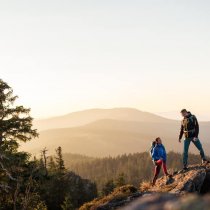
78,118
112,137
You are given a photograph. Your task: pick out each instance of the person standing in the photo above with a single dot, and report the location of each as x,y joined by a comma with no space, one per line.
159,157
190,129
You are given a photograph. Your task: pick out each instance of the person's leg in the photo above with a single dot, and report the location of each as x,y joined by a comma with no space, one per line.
165,168
186,149
157,171
198,144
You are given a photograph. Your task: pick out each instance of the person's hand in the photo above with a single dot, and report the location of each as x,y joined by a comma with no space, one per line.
195,139
180,140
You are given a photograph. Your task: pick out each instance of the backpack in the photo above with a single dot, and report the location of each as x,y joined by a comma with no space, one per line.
153,144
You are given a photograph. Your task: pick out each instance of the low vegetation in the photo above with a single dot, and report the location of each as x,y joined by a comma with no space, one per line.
117,195
145,186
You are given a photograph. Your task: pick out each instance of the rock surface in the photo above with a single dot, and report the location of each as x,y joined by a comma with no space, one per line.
182,192
183,181
170,202
113,204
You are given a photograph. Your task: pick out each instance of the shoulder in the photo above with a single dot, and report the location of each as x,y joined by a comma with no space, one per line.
194,117
163,146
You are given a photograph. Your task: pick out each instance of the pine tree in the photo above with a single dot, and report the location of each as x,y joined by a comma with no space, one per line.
15,121
15,127
120,181
59,160
67,204
52,165
44,160
108,187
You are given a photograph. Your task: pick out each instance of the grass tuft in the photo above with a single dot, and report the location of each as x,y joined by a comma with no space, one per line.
119,194
145,186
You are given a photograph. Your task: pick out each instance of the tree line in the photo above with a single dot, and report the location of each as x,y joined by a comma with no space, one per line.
134,168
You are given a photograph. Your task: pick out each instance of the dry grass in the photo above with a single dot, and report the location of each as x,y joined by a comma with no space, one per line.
167,188
119,194
145,186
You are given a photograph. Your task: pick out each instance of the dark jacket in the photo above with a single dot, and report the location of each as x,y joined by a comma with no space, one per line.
189,127
159,152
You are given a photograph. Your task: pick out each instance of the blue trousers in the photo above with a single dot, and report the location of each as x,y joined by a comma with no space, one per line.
198,145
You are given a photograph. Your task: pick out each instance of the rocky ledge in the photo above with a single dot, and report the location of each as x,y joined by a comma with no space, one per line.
195,179
186,190
170,202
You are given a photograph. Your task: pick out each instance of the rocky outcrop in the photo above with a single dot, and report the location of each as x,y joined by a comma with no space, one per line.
119,197
113,204
170,202
182,192
184,182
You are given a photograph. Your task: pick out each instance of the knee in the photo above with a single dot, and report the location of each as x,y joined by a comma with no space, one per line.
184,153
161,162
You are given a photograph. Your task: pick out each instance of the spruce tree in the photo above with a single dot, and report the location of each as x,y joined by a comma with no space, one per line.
120,181
51,165
59,160
108,187
15,127
67,204
15,121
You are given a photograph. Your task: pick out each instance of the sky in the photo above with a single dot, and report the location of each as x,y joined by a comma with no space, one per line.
65,56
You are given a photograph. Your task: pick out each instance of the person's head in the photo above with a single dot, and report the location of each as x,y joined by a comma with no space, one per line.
153,144
184,113
158,140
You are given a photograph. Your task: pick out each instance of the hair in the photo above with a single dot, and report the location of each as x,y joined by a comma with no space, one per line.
153,144
156,140
183,110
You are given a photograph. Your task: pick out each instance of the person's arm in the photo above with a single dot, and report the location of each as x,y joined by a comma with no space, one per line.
181,132
164,154
196,127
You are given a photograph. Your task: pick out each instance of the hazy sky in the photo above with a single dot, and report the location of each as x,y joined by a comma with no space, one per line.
67,55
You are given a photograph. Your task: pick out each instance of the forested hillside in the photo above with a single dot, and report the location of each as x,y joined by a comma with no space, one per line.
28,183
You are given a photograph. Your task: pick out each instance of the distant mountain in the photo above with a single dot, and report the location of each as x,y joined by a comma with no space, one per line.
175,115
87,116
113,137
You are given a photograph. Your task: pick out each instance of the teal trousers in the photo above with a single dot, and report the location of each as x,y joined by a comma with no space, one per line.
198,145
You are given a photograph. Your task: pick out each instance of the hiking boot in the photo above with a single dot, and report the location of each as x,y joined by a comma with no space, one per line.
185,168
154,181
169,176
204,161
169,179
